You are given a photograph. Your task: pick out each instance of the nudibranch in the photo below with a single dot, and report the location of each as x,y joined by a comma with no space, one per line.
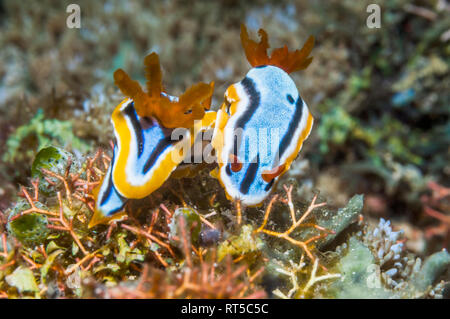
263,122
109,204
153,132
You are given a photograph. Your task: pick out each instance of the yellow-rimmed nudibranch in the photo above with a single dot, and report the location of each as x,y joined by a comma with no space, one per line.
263,123
146,152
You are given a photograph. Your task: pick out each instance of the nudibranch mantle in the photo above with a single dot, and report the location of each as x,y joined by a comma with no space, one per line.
263,123
154,132
109,204
266,103
146,154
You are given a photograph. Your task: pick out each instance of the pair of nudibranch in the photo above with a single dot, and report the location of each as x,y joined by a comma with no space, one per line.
265,104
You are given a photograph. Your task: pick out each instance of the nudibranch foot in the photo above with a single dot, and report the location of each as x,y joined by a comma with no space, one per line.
109,204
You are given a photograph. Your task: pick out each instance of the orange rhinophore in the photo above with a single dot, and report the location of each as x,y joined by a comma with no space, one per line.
171,112
256,53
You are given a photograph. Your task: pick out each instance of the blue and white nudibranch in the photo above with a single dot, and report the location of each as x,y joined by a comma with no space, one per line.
109,203
263,123
145,152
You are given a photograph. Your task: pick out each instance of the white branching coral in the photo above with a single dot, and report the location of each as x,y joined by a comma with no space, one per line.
301,288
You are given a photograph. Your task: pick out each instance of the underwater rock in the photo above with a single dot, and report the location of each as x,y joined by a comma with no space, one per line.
432,268
30,229
23,279
360,275
55,160
341,220
209,237
193,224
378,267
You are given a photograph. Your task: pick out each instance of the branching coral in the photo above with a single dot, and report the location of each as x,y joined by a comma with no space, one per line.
159,251
436,206
60,216
199,280
71,259
296,223
293,272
